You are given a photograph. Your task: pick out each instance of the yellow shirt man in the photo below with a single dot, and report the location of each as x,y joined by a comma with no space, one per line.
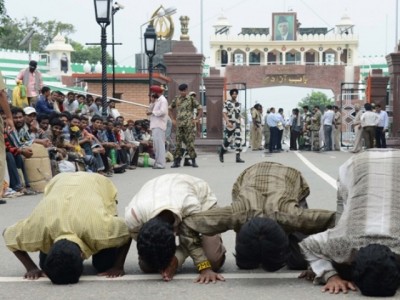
79,207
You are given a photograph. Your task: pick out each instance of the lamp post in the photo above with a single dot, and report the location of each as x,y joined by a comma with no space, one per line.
103,12
116,7
162,13
150,42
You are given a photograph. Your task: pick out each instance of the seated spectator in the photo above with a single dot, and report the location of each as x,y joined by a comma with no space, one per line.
45,103
91,145
110,142
95,108
71,104
83,109
58,101
43,131
25,137
97,130
129,139
14,157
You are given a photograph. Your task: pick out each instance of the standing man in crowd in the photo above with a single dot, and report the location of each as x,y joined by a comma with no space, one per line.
185,122
10,127
158,112
338,127
256,128
327,121
369,121
232,132
32,79
315,127
382,127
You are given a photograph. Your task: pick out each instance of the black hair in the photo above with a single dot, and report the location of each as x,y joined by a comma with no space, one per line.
376,271
156,244
64,264
305,107
183,87
66,114
57,122
280,110
329,106
261,241
44,89
96,118
42,117
368,106
78,117
233,91
15,110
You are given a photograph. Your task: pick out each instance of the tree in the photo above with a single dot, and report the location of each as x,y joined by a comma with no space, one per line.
12,31
316,98
91,54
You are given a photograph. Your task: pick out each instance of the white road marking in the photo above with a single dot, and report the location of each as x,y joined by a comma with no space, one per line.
319,172
276,275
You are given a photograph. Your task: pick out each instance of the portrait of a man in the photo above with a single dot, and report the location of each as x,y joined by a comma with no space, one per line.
284,26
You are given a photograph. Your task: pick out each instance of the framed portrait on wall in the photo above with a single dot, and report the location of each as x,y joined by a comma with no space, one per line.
284,26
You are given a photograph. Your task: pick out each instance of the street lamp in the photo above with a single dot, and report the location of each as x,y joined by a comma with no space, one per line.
103,12
161,13
116,7
150,41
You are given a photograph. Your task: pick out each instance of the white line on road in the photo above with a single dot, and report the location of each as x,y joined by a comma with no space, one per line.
319,172
276,275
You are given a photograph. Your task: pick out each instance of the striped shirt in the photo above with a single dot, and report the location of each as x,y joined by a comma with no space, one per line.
80,207
369,206
265,189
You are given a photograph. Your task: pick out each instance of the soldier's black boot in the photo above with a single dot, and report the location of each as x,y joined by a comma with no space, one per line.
221,152
194,165
238,159
186,162
177,163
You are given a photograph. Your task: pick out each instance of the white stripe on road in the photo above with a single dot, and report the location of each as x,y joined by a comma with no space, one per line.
319,172
275,275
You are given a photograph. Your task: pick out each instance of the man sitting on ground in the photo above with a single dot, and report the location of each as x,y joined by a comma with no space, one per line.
364,246
76,218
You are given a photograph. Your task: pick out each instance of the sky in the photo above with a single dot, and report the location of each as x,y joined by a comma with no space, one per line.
375,22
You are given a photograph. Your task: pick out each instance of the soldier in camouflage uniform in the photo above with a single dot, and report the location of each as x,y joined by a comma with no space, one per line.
231,113
315,127
185,122
307,129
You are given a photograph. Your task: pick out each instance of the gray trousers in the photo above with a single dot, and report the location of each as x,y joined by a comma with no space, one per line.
159,146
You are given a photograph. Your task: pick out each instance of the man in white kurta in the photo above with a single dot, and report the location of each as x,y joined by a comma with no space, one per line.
368,213
183,195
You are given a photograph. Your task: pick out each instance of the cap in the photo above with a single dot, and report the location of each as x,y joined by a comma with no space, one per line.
192,93
282,19
29,110
183,87
156,89
33,63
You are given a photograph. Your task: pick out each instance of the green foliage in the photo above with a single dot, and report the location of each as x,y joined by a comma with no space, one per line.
91,54
316,98
12,31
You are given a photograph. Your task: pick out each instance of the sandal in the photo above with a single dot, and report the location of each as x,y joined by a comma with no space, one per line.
29,192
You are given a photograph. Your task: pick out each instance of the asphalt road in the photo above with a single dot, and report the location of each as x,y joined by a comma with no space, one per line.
319,169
